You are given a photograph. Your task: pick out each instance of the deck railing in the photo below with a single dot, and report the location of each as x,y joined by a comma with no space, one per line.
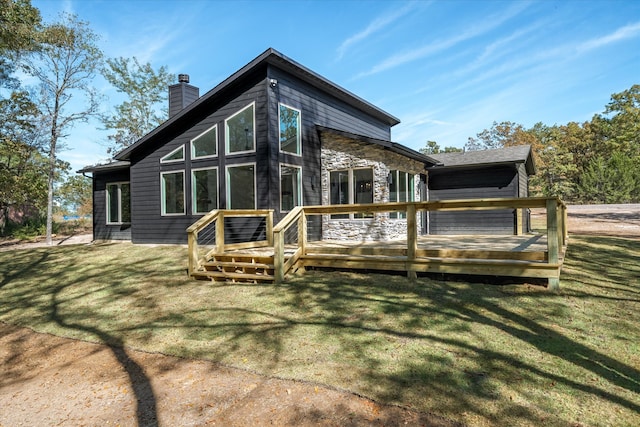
216,219
410,258
414,260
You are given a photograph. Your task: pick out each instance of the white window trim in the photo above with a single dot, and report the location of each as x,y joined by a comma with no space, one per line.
226,131
193,153
410,194
299,141
108,204
299,184
163,207
255,182
351,190
181,148
193,189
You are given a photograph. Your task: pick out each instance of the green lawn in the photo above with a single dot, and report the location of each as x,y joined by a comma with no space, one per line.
481,354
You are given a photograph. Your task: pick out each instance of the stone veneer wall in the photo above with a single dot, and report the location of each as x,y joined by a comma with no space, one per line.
339,153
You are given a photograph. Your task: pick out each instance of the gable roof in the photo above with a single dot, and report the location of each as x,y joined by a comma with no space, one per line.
387,145
277,59
498,156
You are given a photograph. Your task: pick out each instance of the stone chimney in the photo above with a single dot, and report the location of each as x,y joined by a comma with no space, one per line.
181,95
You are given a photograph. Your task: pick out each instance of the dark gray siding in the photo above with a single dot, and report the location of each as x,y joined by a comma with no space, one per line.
102,231
148,223
523,191
473,184
317,108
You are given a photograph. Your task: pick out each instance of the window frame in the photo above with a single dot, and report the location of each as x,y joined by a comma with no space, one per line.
108,202
351,193
163,200
208,156
164,160
299,185
228,183
409,190
194,204
226,131
298,152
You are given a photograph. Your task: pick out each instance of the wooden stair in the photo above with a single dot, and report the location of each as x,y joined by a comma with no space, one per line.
237,268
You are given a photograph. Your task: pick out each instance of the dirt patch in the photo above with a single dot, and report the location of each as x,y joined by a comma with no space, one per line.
600,220
47,380
605,220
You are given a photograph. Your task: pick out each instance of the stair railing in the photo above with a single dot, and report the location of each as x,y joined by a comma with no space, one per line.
217,217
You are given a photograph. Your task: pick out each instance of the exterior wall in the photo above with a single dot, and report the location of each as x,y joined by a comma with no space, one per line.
489,182
523,191
102,231
148,225
317,108
341,153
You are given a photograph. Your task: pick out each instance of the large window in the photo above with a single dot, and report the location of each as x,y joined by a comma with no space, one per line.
401,189
204,185
118,203
205,144
172,189
240,131
290,187
351,187
290,134
241,187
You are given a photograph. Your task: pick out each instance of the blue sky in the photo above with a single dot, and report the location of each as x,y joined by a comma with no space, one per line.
446,69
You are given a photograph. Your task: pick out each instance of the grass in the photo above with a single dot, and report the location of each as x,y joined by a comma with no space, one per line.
480,354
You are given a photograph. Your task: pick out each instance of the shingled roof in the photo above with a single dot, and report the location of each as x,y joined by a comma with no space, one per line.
506,155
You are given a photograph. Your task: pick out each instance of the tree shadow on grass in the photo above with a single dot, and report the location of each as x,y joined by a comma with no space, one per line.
357,324
52,266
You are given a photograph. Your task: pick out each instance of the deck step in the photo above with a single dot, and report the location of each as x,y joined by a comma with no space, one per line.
225,275
242,258
240,265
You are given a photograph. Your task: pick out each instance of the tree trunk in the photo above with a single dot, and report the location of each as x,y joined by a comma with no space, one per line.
52,173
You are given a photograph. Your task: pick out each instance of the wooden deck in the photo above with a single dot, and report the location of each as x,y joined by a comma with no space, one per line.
530,255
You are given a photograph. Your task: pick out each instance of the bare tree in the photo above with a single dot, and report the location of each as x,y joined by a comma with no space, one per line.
64,65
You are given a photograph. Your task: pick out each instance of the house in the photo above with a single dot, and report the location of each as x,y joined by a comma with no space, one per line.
274,135
497,173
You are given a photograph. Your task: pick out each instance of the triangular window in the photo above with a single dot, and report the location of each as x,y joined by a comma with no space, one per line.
174,156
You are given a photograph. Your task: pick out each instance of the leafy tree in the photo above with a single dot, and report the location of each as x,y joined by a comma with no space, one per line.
625,120
145,107
75,195
555,165
22,181
19,22
432,147
612,180
503,134
64,65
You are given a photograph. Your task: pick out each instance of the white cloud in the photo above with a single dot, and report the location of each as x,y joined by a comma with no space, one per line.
375,26
429,49
626,32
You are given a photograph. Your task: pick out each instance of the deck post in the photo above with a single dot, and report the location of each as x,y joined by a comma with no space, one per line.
565,232
192,238
278,256
553,240
269,220
302,233
519,220
412,240
220,233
